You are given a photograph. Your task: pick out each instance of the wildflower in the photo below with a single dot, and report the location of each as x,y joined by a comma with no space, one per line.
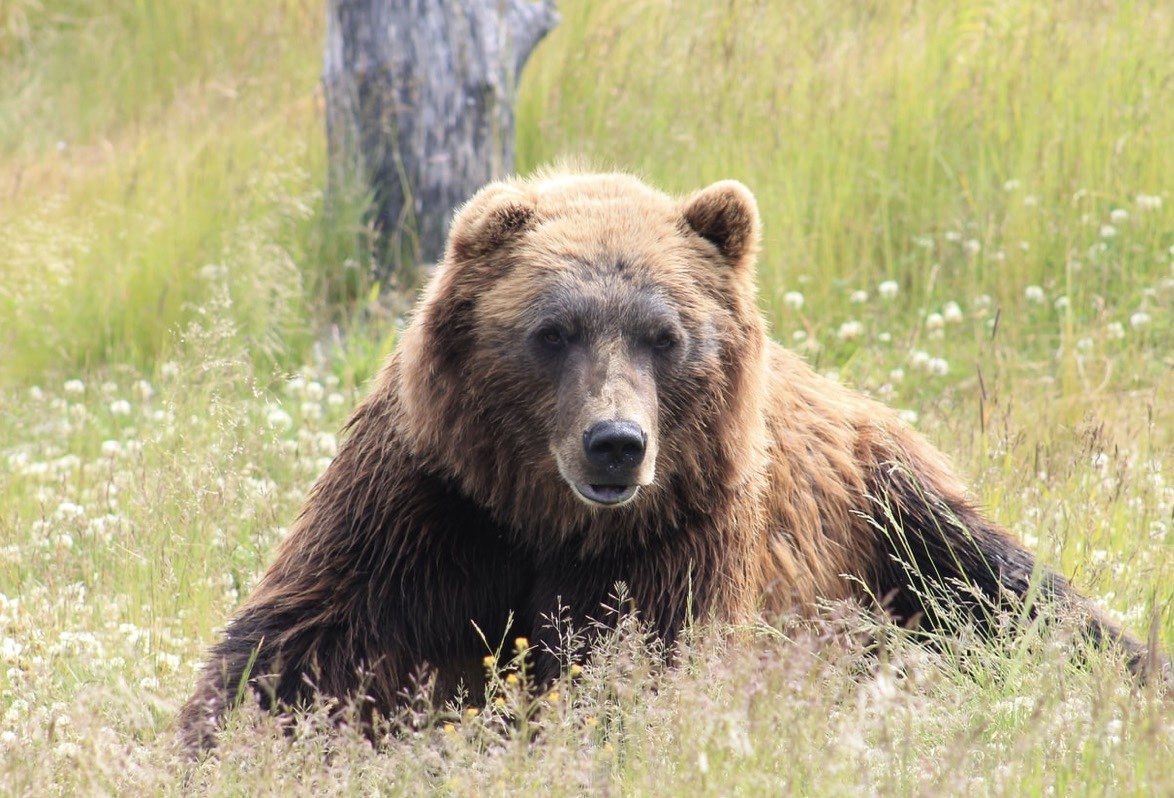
311,411
111,448
793,300
971,246
887,289
335,399
896,375
488,660
1100,460
120,407
1149,202
314,391
858,297
75,387
1139,319
799,336
575,670
1108,231
1118,216
1034,294
521,643
449,728
1061,303
552,696
472,712
36,394
1031,200
952,313
703,762
279,419
144,390
1115,330
938,366
511,679
934,321
908,416
850,330
1011,185
169,370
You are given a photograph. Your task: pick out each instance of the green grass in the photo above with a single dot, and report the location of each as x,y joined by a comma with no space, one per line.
183,329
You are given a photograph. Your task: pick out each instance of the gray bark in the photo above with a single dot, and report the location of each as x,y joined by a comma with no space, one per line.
420,110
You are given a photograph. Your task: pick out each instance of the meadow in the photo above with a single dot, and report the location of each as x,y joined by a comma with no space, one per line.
968,214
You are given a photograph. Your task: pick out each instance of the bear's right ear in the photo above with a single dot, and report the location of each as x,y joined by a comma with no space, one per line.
726,215
495,214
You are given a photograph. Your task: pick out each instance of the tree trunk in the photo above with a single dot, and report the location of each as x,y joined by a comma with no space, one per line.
420,110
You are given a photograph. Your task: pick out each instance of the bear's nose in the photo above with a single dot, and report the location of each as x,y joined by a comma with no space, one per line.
614,444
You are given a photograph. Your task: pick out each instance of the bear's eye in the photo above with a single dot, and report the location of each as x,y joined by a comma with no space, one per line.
552,337
664,341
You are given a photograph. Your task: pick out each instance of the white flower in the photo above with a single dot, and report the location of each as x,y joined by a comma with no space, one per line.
793,300
314,391
120,407
1139,320
335,399
896,375
36,394
1100,460
1011,185
888,289
1061,303
934,321
1034,293
144,390
311,411
858,297
850,330
10,649
169,370
918,359
799,335
111,448
952,313
278,419
1118,216
972,246
1031,200
75,387
1115,330
1108,231
1149,202
938,365
908,416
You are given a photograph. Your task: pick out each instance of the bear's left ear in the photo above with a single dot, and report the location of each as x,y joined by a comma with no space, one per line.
726,215
487,221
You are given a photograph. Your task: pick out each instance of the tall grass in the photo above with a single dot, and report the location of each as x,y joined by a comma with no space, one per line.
968,214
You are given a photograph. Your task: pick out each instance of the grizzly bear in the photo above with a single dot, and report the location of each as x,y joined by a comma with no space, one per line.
585,396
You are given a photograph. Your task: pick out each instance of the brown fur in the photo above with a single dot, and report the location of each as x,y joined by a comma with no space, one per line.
565,301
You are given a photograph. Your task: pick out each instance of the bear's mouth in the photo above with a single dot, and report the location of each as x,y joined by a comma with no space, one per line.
606,495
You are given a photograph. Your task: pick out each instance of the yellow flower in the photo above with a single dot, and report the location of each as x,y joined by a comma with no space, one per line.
499,702
472,712
449,728
489,661
511,679
552,695
521,644
575,670
592,722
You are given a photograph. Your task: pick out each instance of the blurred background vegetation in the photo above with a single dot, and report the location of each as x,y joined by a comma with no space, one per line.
151,150
967,212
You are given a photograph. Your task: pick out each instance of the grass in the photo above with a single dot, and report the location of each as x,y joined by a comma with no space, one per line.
968,214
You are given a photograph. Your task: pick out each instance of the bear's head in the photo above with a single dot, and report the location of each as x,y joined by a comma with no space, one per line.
589,351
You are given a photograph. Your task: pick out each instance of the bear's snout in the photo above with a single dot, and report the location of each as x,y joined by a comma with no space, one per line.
615,447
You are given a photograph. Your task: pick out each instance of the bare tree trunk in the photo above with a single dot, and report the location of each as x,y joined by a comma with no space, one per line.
420,109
